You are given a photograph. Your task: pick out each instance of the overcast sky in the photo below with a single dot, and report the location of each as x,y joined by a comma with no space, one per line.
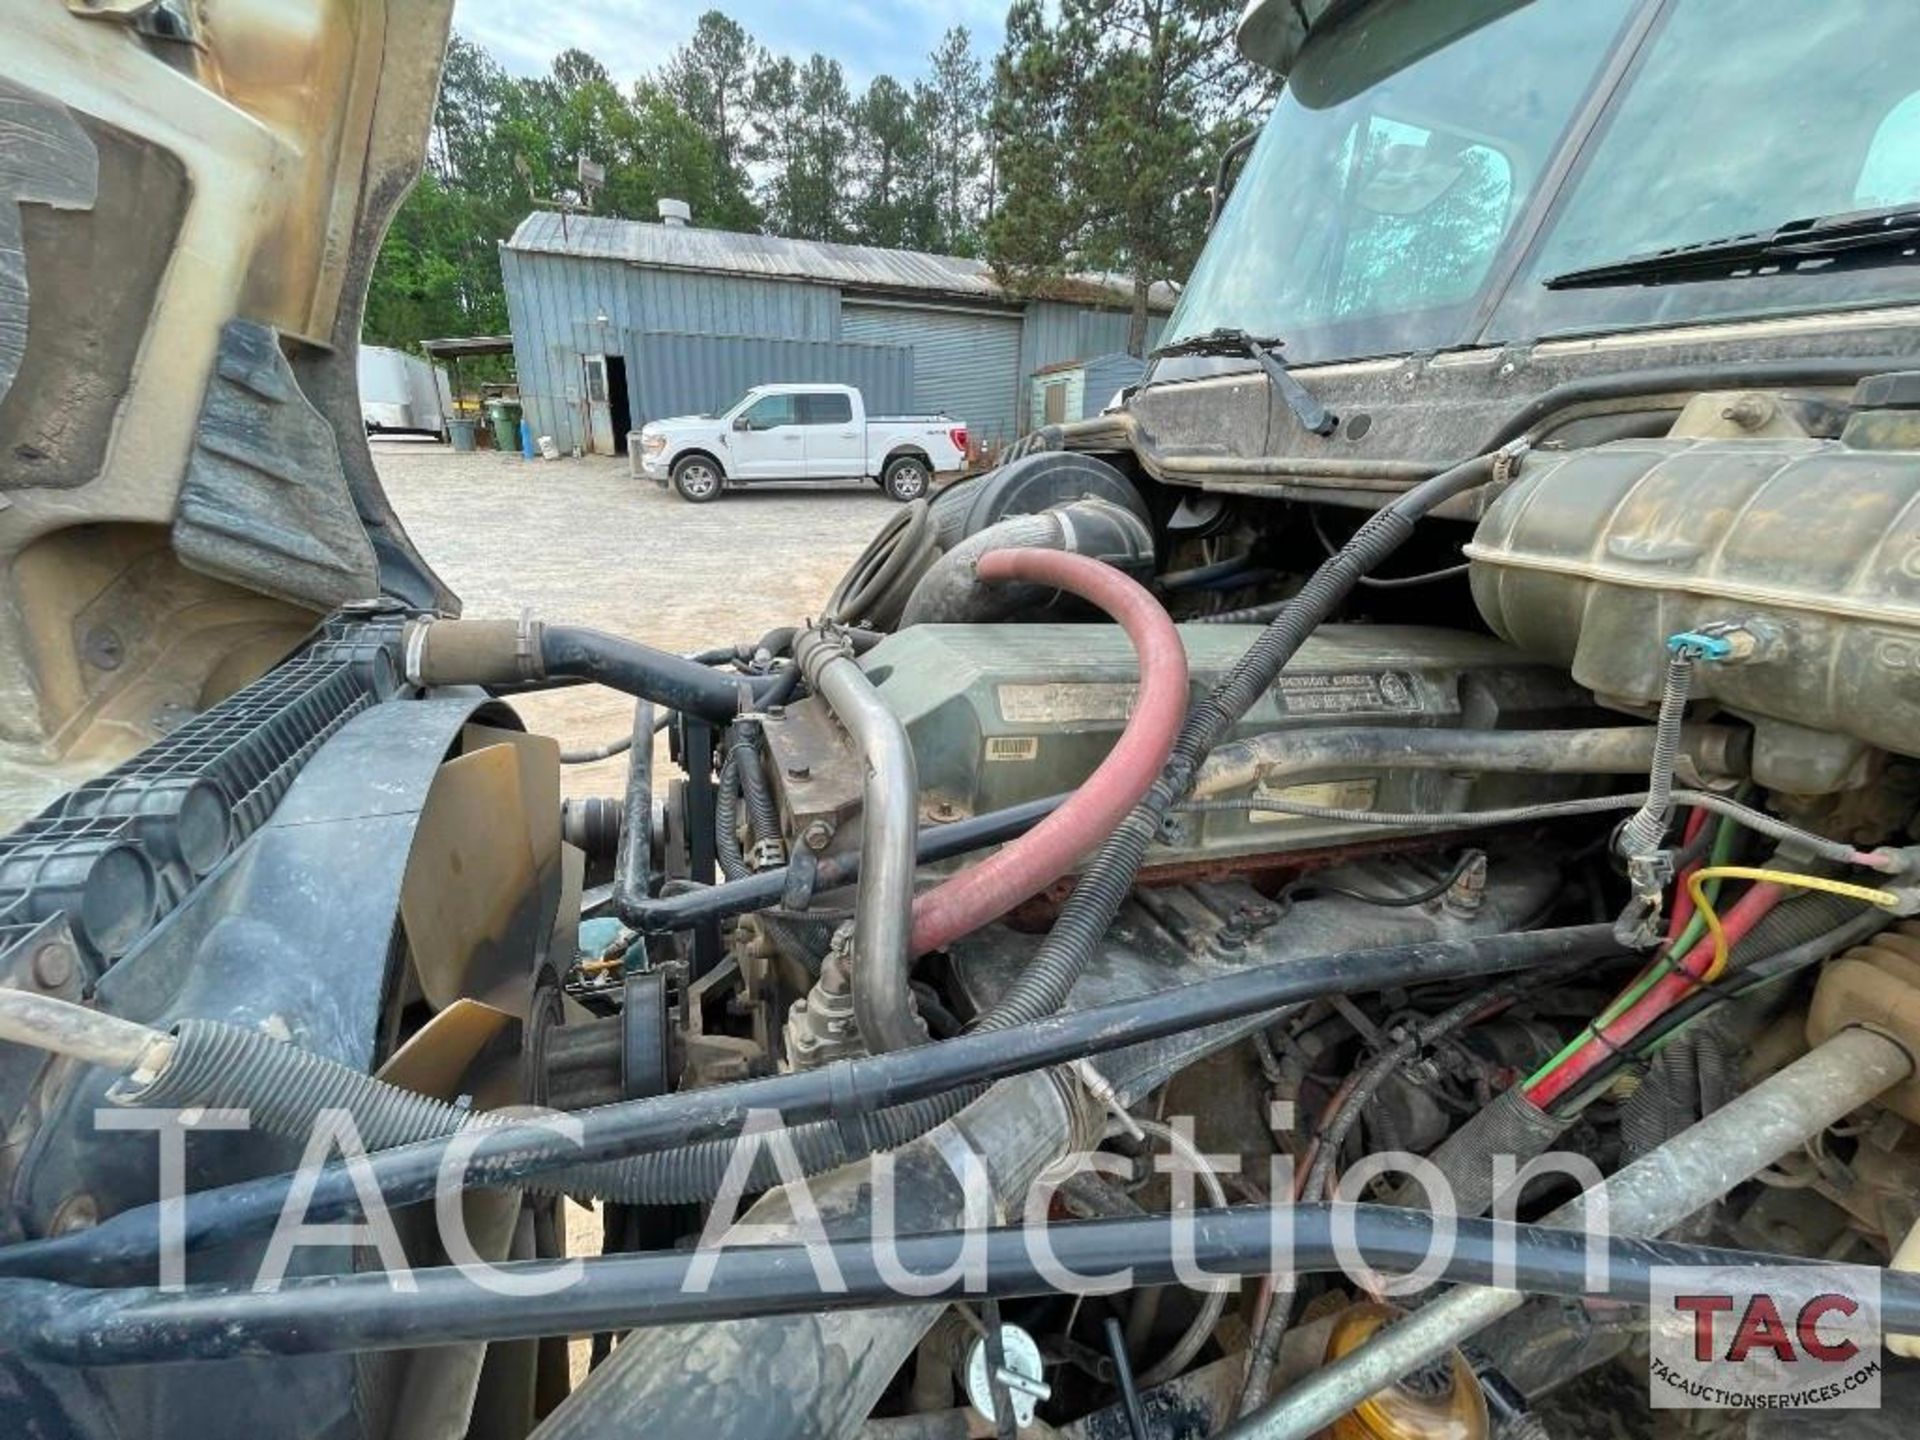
631,37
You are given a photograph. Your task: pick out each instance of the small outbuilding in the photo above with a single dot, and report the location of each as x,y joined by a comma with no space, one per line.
616,322
1077,389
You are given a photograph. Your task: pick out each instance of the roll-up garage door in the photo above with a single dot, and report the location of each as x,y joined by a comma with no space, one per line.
965,364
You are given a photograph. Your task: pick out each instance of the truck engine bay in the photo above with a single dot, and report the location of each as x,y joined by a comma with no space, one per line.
1480,824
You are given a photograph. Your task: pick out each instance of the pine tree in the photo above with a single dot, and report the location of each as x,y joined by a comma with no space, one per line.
1107,124
1033,234
957,97
711,78
801,137
898,204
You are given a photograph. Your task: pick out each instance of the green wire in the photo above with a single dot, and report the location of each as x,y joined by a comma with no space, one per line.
1724,837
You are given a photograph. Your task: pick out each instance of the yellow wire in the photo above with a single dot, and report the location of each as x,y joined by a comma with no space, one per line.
1886,899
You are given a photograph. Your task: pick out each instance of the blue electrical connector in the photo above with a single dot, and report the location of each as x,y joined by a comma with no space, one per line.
1697,645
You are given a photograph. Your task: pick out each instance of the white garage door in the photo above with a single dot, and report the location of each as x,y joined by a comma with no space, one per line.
967,365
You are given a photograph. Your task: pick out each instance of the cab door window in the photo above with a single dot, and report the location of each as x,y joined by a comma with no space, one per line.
825,410
770,412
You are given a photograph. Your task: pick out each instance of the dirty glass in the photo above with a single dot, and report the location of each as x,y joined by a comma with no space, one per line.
1371,223
1739,115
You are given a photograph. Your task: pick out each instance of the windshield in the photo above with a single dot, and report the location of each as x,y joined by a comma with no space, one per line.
1740,116
1370,225
1419,213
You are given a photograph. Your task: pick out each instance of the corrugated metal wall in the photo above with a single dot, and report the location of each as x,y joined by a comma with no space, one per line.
674,374
975,366
966,364
1107,375
554,305
1057,333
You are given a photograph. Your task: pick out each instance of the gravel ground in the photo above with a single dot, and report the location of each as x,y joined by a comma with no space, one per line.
581,541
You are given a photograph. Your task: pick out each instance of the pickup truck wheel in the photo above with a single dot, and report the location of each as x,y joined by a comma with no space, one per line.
906,478
697,479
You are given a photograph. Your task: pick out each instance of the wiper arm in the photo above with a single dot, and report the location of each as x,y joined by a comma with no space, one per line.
1311,414
1869,235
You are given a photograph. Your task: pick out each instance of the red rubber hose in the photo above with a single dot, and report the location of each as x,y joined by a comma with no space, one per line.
1683,897
1022,869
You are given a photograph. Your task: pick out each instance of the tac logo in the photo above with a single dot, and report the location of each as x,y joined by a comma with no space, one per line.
1773,1337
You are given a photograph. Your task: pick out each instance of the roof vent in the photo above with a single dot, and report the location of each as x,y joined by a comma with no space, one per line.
675,212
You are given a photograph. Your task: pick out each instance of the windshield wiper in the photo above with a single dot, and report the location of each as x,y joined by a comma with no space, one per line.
1227,341
1870,236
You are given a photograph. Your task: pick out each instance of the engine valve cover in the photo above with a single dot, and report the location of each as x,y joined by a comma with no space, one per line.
1002,714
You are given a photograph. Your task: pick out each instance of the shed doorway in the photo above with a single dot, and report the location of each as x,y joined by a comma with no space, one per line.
609,416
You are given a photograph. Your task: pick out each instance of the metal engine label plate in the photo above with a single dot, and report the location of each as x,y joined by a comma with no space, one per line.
1067,703
1352,692
1343,692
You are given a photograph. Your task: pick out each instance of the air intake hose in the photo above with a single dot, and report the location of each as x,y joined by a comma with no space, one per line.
953,592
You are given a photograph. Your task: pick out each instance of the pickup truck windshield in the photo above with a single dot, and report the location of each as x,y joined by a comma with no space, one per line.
1425,211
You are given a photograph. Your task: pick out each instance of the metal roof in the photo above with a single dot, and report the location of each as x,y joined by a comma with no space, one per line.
469,345
853,267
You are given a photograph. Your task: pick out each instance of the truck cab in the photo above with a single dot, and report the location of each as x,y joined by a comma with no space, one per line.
787,433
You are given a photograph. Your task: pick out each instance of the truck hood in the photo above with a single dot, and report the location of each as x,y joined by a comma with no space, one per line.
684,422
191,200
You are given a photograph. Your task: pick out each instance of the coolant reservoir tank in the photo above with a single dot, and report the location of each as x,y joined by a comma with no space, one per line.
1593,557
1439,1401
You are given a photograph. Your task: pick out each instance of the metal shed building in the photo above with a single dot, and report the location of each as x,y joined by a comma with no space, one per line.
616,322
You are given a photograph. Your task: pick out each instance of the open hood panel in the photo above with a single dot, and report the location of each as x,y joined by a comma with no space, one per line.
191,200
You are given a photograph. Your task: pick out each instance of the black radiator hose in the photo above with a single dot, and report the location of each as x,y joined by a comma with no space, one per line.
952,593
515,652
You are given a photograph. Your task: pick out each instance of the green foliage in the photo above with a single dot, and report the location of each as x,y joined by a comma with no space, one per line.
803,138
1106,126
502,147
897,202
710,78
952,106
1088,146
1034,232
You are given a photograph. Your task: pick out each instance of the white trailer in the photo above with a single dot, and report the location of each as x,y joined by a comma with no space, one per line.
401,394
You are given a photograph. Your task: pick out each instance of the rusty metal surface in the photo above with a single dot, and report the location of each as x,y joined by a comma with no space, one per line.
816,774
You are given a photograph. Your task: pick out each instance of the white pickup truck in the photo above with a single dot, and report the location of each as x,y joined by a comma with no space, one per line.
799,432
